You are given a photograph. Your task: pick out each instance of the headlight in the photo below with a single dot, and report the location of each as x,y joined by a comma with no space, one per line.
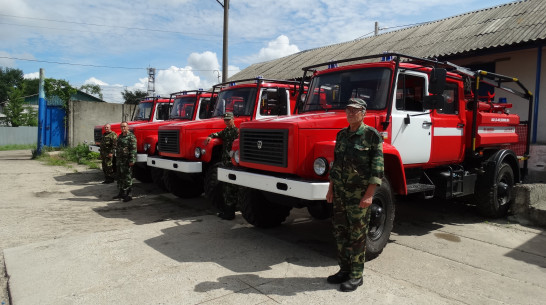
236,156
147,147
197,152
320,166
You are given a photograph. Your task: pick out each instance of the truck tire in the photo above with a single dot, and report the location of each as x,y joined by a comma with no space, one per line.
495,200
157,177
258,211
321,210
381,220
213,187
183,186
142,173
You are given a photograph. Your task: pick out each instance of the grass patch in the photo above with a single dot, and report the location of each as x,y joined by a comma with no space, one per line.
17,147
68,155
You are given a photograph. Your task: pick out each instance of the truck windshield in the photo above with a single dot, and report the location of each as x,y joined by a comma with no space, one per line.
333,90
183,108
240,101
144,111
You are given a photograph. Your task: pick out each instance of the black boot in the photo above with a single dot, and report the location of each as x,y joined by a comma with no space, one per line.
127,196
339,277
119,195
228,213
351,284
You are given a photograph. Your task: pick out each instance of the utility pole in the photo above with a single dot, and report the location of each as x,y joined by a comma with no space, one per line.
225,5
41,113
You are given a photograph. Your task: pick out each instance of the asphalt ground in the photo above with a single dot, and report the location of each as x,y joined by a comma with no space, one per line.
64,241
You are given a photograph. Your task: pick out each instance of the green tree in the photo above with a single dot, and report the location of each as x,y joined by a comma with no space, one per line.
133,97
17,113
60,88
9,79
92,89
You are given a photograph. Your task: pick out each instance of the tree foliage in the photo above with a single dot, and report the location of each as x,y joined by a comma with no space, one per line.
9,79
92,89
133,97
60,88
17,113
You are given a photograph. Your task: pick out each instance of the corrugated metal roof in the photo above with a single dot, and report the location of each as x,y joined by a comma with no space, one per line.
510,24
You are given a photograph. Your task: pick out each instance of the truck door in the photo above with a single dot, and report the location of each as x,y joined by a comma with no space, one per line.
448,128
411,124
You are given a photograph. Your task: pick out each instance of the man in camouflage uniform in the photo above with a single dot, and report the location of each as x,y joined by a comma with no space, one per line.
357,170
126,156
107,149
228,135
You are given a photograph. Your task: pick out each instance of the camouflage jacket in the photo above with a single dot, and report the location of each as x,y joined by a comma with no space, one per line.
108,143
228,135
358,158
126,147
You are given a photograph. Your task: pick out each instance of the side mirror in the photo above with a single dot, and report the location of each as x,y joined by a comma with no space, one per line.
433,102
437,81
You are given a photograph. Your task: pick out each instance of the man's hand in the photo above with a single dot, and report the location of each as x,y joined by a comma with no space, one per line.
367,199
131,164
110,155
207,140
330,194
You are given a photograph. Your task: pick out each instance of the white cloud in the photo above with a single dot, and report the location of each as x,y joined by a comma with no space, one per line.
32,75
277,48
94,81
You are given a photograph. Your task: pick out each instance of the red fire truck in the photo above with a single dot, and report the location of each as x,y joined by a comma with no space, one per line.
441,139
190,166
150,109
192,105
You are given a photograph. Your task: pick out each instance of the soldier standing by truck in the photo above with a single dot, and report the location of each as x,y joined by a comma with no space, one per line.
126,157
107,149
228,135
357,170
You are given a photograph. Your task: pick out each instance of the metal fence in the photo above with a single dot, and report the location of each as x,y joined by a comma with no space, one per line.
18,135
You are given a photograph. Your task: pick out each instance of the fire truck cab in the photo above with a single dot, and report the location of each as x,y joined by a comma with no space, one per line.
441,139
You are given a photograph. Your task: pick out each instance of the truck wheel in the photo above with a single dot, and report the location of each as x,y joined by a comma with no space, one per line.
381,220
321,210
157,177
142,173
259,211
494,201
183,186
213,187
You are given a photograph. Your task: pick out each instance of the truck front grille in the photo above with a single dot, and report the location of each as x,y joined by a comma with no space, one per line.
97,134
264,146
167,141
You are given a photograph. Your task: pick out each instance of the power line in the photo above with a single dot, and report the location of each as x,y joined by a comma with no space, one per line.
99,66
112,26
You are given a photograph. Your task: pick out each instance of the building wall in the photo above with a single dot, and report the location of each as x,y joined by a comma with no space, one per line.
84,116
523,65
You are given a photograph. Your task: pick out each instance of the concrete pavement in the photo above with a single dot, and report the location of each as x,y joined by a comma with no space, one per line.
64,242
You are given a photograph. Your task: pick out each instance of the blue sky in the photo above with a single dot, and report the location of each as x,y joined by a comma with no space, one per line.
111,43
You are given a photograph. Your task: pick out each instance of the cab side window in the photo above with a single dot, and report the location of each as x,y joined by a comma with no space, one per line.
273,102
451,98
163,111
409,92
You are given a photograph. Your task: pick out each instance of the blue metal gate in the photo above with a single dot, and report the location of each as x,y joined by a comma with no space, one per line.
55,130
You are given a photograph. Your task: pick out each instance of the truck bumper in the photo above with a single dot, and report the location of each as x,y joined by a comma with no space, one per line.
141,158
174,165
294,188
94,148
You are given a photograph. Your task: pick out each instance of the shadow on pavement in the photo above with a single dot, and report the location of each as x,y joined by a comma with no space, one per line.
286,286
234,246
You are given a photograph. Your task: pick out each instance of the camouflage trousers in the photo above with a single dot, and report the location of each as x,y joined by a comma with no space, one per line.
350,227
124,174
108,168
231,194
